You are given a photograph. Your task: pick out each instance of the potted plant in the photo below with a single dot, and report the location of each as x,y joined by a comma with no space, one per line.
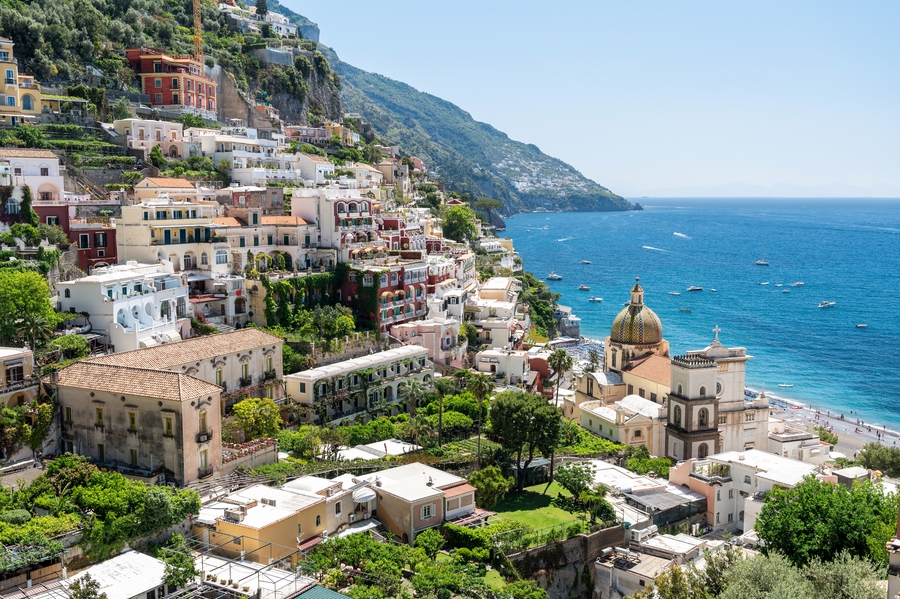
246,588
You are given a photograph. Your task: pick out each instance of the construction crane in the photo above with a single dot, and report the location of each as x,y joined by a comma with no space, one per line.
198,33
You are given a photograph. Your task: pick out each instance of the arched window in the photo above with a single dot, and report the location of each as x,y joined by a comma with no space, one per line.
702,451
680,389
204,259
746,479
12,206
678,415
703,417
27,102
68,293
702,391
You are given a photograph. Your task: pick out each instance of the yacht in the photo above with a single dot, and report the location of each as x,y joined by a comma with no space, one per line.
583,288
764,283
786,385
554,277
684,309
674,293
594,298
695,288
785,291
779,285
798,284
714,290
862,326
585,261
761,263
827,304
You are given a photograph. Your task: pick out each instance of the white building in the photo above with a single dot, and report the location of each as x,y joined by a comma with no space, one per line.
38,169
143,134
632,420
138,305
790,442
129,575
251,159
344,219
366,384
512,365
313,167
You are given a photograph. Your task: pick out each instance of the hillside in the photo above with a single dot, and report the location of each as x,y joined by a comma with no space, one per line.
469,155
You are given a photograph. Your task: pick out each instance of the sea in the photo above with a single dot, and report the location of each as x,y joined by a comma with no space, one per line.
845,251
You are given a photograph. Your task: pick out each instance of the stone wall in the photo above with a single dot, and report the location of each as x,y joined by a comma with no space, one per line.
565,569
351,346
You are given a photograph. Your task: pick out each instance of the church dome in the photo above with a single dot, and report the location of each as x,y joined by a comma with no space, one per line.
636,324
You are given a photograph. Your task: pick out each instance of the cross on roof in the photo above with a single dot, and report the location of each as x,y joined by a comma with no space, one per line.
717,330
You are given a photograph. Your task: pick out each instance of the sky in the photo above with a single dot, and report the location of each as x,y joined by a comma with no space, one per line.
650,96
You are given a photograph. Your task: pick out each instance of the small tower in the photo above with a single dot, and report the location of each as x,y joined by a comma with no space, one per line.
693,412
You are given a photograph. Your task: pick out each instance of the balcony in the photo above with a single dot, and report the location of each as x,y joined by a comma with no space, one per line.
204,436
269,375
245,381
205,472
19,385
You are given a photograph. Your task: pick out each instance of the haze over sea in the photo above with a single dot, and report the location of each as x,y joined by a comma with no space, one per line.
846,251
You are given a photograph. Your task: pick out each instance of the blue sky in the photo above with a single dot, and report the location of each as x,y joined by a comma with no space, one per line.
649,95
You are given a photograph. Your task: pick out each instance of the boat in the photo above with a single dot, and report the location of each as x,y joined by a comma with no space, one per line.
785,291
778,284
764,283
684,309
862,326
545,228
595,299
674,293
695,288
714,290
827,304
554,277
798,284
585,261
583,288
786,385
627,304
528,230
761,263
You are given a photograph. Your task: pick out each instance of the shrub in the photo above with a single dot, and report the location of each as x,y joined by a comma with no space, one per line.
15,516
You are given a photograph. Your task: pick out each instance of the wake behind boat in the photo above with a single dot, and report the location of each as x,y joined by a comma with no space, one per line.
565,238
674,293
684,309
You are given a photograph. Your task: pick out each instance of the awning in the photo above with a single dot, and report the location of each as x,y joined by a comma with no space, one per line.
192,278
309,543
148,342
172,336
363,495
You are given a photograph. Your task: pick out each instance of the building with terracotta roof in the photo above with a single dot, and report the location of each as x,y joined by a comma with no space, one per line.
38,169
313,167
246,362
175,83
157,425
150,188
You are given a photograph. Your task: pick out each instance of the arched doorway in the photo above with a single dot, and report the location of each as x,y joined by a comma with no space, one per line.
702,451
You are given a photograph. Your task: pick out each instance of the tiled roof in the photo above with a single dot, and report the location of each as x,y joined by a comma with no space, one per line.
170,182
315,158
169,355
654,368
283,220
228,221
142,382
26,153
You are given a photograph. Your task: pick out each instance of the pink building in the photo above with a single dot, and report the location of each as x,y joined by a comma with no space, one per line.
439,335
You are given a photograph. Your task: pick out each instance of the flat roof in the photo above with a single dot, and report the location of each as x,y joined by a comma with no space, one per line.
622,480
126,575
363,362
8,352
262,515
769,466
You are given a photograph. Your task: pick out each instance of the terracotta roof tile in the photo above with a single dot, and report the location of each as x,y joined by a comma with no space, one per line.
228,221
142,382
170,182
283,220
315,158
26,153
170,355
654,368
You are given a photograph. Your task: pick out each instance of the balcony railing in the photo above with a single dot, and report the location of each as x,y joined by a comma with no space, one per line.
204,436
245,381
270,374
19,385
204,472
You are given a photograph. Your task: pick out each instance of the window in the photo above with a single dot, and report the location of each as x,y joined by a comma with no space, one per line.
741,516
99,412
641,392
17,171
723,419
630,389
12,205
132,421
677,418
299,529
68,293
101,452
302,387
157,98
746,479
219,377
202,422
749,417
384,280
45,172
268,363
134,458
10,100
204,259
702,391
53,220
367,280
68,412
221,257
637,434
287,240
730,493
27,102
255,240
175,99
243,242
337,508
730,517
245,371
703,417
169,427
174,83
653,397
427,511
255,218
100,240
318,521
717,518
719,495
84,241
680,389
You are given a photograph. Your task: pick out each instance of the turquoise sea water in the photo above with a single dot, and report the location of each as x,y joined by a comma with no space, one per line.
846,251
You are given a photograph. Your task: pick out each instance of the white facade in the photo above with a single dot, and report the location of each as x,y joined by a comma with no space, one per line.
252,161
512,365
344,219
138,305
143,134
38,169
314,168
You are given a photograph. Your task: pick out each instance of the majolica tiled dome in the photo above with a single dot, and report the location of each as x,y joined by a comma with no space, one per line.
636,324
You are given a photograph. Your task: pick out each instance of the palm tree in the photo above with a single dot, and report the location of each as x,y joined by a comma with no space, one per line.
481,386
35,327
414,390
593,360
560,361
461,377
417,428
444,387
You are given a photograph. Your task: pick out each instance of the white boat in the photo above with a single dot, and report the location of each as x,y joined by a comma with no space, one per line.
554,277
764,283
595,299
528,230
714,290
684,309
786,385
695,288
627,304
862,326
778,285
798,284
585,261
674,293
827,304
761,263
545,228
583,288
785,291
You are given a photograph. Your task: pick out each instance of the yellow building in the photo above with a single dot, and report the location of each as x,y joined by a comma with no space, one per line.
21,99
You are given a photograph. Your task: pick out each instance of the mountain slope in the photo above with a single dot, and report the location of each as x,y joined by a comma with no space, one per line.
469,155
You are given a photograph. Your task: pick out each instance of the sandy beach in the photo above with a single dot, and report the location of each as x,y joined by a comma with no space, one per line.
851,435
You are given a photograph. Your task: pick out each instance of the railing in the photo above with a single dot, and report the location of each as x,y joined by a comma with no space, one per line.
204,436
245,382
19,385
269,375
204,472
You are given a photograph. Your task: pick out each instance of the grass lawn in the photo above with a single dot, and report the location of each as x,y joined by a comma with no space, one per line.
494,580
532,506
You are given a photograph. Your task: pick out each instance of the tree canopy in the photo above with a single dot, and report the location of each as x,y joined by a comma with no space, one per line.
524,423
24,306
459,223
257,417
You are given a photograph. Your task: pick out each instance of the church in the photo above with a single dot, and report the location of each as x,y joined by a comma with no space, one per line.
702,408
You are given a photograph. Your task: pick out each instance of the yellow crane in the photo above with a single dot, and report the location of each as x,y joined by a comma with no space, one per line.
198,33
